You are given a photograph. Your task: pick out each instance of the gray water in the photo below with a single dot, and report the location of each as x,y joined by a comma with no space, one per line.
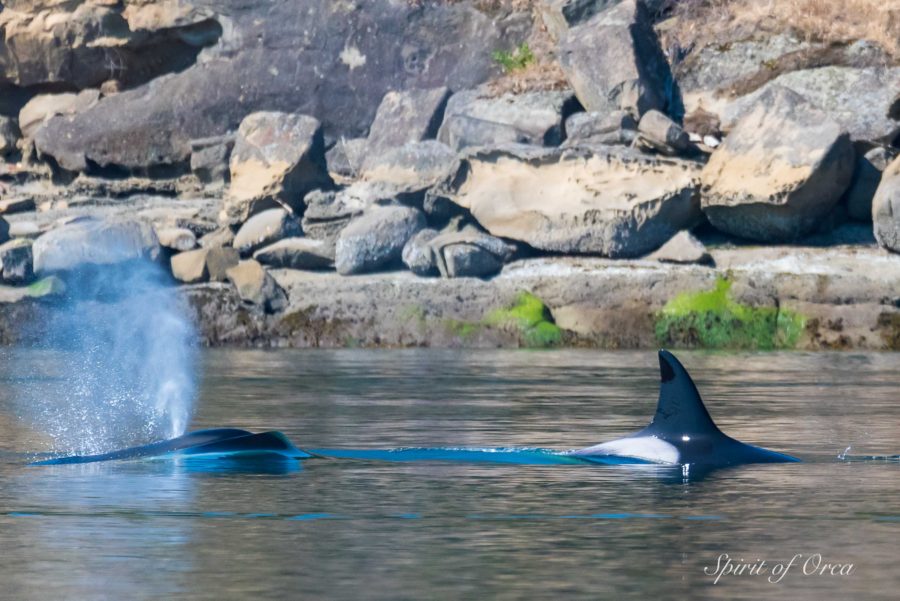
350,529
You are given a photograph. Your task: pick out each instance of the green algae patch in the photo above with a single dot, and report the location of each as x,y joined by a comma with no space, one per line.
48,286
462,329
532,318
712,319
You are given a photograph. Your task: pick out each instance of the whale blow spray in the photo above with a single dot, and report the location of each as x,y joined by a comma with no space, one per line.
122,361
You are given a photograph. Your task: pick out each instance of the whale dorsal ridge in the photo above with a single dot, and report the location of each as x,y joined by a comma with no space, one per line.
680,409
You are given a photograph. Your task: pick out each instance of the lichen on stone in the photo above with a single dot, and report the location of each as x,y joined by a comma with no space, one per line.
712,319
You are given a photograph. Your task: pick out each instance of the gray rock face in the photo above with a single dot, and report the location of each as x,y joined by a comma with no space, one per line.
469,260
255,286
661,134
345,159
602,200
277,159
210,159
94,242
406,116
335,61
561,15
263,229
9,135
83,44
454,254
858,100
782,168
297,253
474,118
418,255
376,238
617,127
16,261
614,61
886,208
328,212
409,169
683,248
718,66
864,184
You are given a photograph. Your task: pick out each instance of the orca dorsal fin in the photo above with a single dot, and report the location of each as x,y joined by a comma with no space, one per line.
680,410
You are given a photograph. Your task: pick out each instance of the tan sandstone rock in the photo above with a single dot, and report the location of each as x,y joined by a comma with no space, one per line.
600,200
779,172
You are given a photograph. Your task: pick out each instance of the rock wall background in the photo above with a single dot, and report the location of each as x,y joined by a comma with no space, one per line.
502,172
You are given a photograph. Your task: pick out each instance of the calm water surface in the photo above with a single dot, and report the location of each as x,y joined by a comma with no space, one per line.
360,529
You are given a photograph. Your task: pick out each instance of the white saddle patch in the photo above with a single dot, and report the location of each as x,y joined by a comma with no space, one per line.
648,448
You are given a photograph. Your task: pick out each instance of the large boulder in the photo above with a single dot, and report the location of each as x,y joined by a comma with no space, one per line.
614,61
468,252
858,100
782,168
886,208
94,242
328,212
297,253
866,177
602,200
255,286
9,135
561,15
204,264
265,228
617,127
332,60
16,261
277,158
375,239
410,169
478,118
406,116
661,134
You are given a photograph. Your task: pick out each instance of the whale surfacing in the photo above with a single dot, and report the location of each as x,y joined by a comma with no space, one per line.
681,432
229,443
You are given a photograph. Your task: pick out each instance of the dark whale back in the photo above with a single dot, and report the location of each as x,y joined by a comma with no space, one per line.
232,442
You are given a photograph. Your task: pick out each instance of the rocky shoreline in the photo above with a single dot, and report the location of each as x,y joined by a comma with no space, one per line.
529,174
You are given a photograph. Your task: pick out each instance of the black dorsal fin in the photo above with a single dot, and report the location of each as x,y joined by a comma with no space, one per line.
680,410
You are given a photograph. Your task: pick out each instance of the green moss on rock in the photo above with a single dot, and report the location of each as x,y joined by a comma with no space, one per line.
533,319
712,319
